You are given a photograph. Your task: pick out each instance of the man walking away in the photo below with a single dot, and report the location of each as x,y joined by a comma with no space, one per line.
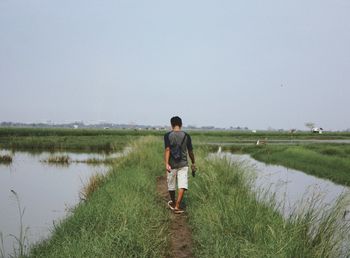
177,145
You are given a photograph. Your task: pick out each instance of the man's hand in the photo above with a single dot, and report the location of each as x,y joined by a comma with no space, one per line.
168,167
193,167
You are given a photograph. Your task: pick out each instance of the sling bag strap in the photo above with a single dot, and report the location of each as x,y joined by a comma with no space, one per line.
183,140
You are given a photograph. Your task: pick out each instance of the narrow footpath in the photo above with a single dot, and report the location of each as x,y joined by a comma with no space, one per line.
180,232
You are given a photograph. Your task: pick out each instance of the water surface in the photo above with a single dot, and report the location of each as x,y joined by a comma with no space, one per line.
293,189
46,191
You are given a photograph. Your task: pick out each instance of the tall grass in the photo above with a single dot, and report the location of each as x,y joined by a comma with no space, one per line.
21,240
2,248
228,219
122,218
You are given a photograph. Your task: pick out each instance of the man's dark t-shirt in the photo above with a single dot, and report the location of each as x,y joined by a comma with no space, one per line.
174,138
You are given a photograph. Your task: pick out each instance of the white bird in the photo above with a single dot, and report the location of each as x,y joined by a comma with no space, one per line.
219,150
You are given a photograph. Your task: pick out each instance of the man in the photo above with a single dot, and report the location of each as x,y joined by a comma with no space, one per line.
177,145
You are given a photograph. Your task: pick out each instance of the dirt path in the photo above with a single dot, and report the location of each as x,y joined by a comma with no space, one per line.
180,232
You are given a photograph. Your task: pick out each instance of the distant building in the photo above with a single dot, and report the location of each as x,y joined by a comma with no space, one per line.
208,127
317,130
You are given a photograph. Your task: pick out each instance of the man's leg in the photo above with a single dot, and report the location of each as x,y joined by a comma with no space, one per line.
172,196
182,181
180,195
171,180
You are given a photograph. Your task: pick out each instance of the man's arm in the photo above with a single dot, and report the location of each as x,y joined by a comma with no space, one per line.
191,154
166,159
167,152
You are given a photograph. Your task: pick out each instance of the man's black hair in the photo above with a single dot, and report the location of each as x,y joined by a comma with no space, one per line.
176,121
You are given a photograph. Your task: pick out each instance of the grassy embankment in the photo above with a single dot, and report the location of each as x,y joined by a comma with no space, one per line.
124,217
330,161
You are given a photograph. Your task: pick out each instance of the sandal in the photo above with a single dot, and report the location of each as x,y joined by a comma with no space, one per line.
171,206
178,211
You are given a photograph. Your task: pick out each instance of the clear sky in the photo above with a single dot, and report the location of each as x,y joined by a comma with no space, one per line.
223,63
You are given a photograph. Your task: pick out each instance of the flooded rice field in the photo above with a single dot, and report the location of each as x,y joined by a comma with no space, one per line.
278,141
47,192
292,188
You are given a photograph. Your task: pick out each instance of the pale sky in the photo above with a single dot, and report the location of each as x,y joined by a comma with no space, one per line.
222,63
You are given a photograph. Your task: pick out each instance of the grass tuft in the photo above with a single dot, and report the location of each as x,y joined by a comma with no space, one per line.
58,159
5,159
94,182
97,161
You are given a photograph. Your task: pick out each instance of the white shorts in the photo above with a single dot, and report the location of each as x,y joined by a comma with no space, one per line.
181,175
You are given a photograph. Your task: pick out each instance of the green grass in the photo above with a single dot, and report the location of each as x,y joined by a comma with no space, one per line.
330,161
122,218
229,221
